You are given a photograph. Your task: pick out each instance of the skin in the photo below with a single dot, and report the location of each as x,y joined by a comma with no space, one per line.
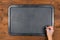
49,31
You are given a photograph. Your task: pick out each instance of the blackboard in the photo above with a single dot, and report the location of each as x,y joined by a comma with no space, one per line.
29,20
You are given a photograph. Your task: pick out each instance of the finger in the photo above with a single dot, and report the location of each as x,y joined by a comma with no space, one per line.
50,27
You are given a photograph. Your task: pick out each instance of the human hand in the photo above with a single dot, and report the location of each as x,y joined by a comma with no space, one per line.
49,31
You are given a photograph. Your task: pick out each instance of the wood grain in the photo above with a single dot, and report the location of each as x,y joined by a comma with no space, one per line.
4,4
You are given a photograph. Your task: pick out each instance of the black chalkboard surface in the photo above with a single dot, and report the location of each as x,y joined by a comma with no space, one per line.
29,20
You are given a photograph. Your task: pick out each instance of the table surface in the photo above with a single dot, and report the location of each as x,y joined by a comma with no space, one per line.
4,4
